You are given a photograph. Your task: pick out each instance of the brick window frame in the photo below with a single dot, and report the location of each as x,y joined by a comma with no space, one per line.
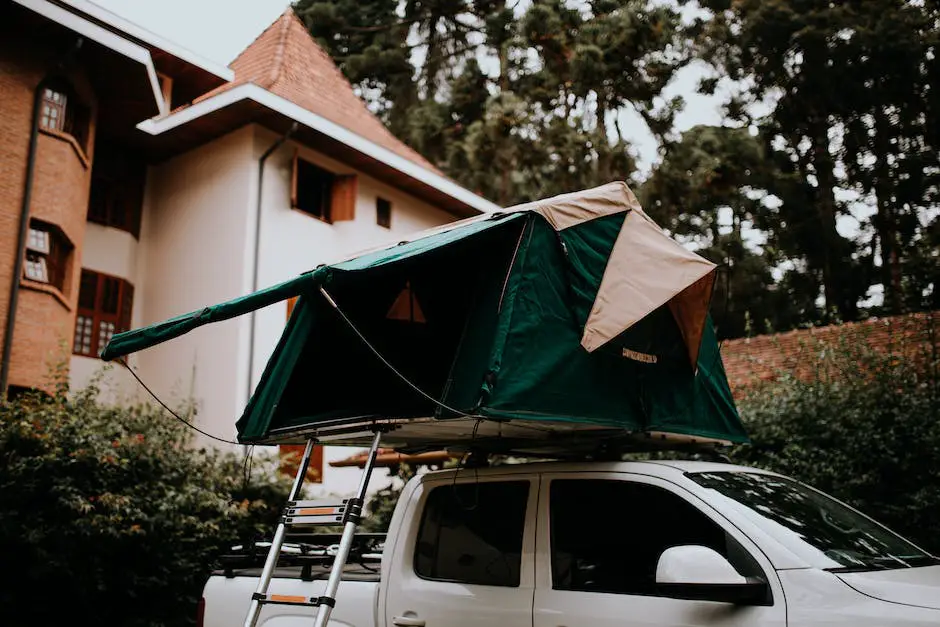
105,303
47,255
62,111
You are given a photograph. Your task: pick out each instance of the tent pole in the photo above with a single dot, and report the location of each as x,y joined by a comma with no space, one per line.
254,610
352,522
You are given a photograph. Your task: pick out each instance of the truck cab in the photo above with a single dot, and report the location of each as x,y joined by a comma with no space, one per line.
598,544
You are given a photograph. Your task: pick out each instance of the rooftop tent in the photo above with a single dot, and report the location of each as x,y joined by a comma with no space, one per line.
560,321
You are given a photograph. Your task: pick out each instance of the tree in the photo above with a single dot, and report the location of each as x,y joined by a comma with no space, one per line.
853,111
891,155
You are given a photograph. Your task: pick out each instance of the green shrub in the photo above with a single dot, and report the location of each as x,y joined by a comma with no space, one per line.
109,517
864,427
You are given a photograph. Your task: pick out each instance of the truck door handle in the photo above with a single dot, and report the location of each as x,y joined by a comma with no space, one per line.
407,621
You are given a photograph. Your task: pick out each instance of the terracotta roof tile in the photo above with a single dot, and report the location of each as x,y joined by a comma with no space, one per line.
748,361
285,60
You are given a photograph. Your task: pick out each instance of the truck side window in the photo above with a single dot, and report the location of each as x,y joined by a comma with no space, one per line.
472,533
641,521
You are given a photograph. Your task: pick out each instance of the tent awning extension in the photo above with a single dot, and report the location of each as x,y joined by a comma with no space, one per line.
567,319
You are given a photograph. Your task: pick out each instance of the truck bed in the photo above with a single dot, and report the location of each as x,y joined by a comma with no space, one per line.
355,601
303,569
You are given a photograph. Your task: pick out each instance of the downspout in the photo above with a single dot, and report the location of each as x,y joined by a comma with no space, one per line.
257,252
24,218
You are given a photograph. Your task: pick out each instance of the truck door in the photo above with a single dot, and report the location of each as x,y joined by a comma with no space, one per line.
596,558
466,557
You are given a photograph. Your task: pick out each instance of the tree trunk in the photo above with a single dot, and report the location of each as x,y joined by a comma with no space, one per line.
884,220
432,63
832,253
502,47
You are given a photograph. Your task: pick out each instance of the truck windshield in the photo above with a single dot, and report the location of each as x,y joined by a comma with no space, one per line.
792,512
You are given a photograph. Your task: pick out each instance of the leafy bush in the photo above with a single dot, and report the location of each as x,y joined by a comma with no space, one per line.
108,515
864,427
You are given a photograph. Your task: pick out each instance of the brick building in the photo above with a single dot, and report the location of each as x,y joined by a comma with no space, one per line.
139,181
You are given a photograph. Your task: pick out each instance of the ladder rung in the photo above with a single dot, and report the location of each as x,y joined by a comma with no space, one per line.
305,516
316,504
307,521
292,599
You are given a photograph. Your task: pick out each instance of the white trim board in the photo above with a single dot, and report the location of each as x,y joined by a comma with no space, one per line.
249,91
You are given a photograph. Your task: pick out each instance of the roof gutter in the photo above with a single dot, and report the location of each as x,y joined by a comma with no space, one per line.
106,38
318,123
257,254
21,237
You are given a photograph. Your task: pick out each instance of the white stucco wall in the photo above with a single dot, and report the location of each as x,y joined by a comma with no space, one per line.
293,242
194,242
116,252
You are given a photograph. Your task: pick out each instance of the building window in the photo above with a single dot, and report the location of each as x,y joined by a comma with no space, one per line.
62,111
47,254
117,189
322,194
53,110
383,212
472,533
104,308
313,190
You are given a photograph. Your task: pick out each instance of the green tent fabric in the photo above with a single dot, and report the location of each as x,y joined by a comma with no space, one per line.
493,317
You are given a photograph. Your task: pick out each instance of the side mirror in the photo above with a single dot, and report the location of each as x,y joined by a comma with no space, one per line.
699,573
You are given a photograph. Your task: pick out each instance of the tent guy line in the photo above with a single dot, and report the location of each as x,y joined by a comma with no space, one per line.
124,363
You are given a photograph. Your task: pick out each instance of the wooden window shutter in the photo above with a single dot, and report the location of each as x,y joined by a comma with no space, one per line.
293,180
345,191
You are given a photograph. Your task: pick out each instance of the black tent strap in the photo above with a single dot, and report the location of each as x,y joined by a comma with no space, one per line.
385,361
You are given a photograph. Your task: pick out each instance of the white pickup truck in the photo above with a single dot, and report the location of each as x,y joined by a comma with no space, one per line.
598,544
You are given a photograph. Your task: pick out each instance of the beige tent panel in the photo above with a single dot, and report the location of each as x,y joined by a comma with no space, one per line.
567,210
646,270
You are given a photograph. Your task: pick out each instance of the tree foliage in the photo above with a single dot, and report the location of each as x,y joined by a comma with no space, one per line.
109,513
851,131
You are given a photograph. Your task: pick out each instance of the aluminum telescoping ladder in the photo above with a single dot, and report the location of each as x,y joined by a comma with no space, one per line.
303,514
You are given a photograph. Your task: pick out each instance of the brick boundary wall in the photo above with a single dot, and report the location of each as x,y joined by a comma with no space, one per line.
750,361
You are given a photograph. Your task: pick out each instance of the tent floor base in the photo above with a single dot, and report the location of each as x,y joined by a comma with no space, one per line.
533,438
